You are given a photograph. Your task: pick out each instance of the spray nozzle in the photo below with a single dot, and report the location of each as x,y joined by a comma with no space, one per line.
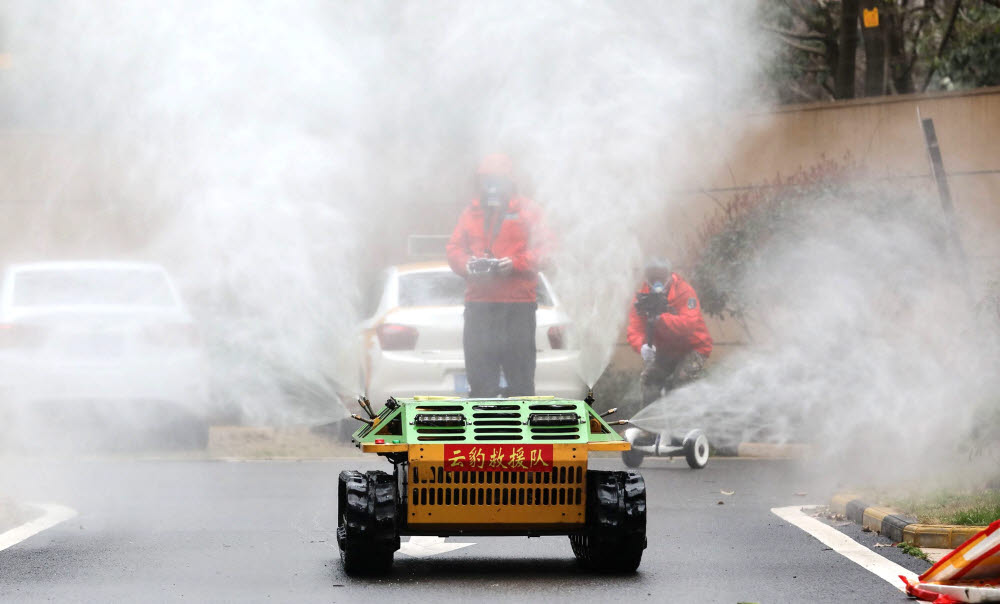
362,419
590,400
367,406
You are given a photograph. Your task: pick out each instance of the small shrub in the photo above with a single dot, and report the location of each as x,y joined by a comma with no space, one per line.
914,551
725,248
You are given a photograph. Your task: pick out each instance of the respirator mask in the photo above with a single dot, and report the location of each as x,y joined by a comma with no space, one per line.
495,191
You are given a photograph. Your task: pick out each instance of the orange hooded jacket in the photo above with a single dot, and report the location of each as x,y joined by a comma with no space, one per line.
674,335
514,232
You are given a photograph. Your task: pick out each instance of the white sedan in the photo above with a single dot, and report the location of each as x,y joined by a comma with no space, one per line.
412,338
75,336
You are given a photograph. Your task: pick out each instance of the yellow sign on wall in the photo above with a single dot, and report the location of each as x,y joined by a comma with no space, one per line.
870,17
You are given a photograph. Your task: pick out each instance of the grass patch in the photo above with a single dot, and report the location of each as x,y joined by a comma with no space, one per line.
969,508
914,551
976,516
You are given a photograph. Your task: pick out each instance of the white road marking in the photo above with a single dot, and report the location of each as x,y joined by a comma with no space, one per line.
53,515
845,546
422,547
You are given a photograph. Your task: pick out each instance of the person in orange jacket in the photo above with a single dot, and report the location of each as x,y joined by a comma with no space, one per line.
498,246
665,326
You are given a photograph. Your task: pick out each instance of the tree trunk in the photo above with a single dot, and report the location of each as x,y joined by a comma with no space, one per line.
874,38
848,43
944,43
899,68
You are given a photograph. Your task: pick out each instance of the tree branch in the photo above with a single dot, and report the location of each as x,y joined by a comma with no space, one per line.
795,88
911,59
826,86
796,9
920,9
803,47
944,42
792,34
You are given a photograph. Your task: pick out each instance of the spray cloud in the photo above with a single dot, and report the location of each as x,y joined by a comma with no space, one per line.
264,153
267,154
867,343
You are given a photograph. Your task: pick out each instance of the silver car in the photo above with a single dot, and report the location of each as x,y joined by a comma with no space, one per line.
105,342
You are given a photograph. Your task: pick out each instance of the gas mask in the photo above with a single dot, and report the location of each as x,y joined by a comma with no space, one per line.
495,191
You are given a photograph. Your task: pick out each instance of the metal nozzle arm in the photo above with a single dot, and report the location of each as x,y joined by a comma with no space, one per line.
362,419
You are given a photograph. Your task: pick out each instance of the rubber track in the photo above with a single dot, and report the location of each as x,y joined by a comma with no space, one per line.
382,499
366,532
616,531
353,510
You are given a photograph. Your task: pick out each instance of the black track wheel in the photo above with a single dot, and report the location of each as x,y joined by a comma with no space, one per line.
367,531
615,533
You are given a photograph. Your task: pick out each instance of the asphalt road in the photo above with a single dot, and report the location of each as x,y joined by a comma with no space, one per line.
264,531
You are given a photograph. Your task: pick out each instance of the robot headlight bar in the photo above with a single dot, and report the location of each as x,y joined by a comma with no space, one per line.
439,420
553,419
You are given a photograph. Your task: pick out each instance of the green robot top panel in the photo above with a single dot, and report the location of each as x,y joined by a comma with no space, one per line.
509,420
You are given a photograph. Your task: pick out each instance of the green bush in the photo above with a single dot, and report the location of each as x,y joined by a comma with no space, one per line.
727,245
972,59
731,245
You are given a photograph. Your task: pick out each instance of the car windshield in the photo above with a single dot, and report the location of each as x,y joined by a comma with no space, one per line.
67,287
443,288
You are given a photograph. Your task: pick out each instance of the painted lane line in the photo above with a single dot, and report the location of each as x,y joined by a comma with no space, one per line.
422,547
845,546
52,515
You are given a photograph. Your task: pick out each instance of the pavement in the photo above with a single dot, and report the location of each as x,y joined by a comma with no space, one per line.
770,450
209,530
233,443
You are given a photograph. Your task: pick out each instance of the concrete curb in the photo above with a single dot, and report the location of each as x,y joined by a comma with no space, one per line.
270,442
773,451
900,527
764,450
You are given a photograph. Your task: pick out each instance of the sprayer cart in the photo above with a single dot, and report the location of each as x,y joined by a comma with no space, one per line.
693,446
490,467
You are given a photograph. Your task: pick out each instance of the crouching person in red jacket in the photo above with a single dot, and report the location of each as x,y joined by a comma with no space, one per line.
665,326
498,246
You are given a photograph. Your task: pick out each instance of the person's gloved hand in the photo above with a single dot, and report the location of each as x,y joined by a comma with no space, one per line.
468,267
648,353
505,266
